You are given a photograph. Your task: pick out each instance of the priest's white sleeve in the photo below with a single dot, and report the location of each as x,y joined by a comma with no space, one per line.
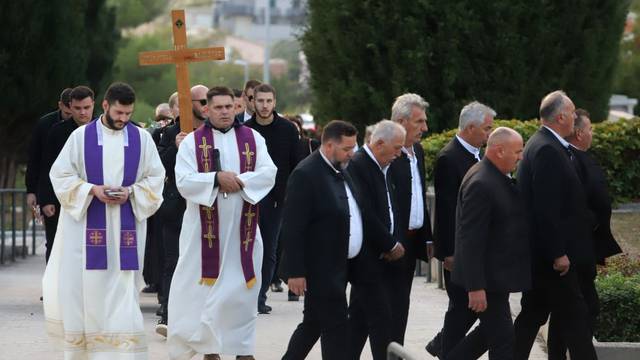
193,186
147,190
72,190
258,183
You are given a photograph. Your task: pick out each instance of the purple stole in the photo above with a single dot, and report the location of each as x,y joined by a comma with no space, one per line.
209,220
96,232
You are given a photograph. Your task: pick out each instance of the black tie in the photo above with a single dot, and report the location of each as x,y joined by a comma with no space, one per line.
570,153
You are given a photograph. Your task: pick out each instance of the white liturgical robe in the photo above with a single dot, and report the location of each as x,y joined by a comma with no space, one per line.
95,314
217,319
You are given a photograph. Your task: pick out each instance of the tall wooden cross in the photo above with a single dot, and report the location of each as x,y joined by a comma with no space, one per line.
181,56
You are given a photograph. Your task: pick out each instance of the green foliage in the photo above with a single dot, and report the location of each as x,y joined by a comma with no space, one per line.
619,292
616,146
132,13
47,46
508,54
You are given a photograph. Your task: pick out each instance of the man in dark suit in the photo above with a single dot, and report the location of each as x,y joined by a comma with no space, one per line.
492,254
370,309
413,221
595,186
81,104
36,153
323,235
166,247
561,236
249,105
453,162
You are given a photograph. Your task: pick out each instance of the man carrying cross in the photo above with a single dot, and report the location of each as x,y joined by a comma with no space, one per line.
223,170
108,179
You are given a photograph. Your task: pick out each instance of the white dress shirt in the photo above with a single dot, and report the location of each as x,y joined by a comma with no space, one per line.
386,185
470,148
247,116
416,215
355,218
564,142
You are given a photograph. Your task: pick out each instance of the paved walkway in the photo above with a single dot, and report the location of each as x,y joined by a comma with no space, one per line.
22,334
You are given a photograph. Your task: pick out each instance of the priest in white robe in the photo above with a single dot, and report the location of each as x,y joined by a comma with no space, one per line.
109,180
223,170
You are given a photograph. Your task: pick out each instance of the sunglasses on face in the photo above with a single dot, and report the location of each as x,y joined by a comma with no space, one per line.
202,102
250,97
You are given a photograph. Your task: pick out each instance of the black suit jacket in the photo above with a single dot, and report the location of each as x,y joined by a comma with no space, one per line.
56,138
560,219
452,164
595,185
369,180
315,228
400,175
168,152
36,150
492,248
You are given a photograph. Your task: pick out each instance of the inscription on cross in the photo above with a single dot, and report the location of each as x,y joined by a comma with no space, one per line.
181,56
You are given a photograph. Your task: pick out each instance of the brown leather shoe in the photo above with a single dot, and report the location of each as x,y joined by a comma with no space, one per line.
211,357
245,357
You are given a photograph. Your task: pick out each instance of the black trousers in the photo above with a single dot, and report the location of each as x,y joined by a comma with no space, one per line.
50,227
324,319
561,296
495,332
154,254
556,344
270,219
369,316
457,320
399,279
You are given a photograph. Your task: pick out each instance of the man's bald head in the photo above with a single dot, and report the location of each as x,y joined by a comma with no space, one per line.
199,101
557,112
504,149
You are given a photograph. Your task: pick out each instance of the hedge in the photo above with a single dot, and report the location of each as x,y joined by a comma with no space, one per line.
616,146
618,288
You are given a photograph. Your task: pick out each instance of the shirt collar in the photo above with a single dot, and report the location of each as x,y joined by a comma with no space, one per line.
327,160
368,151
564,142
470,148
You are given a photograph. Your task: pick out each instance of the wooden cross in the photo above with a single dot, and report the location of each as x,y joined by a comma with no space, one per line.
181,56
247,154
95,237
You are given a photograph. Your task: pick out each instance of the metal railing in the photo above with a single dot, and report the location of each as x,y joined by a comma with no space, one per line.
395,351
14,225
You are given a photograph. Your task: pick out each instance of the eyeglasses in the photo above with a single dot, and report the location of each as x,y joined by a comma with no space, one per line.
202,102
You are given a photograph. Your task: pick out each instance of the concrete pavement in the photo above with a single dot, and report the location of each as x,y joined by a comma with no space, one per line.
22,333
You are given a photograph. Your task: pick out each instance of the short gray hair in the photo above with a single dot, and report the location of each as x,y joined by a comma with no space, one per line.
552,104
173,100
403,106
163,108
474,114
386,131
501,135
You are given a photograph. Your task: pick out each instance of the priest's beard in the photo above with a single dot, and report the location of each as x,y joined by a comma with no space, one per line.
112,123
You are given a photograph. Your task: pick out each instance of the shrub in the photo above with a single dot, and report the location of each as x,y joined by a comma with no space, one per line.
616,146
619,318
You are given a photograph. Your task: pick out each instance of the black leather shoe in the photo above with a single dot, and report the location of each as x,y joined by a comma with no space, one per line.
150,289
433,349
276,287
264,309
294,297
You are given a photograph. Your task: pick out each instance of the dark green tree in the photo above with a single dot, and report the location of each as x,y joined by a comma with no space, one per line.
508,54
45,47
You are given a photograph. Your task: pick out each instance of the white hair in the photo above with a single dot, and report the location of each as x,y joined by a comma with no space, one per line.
501,135
386,131
474,114
403,106
552,104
